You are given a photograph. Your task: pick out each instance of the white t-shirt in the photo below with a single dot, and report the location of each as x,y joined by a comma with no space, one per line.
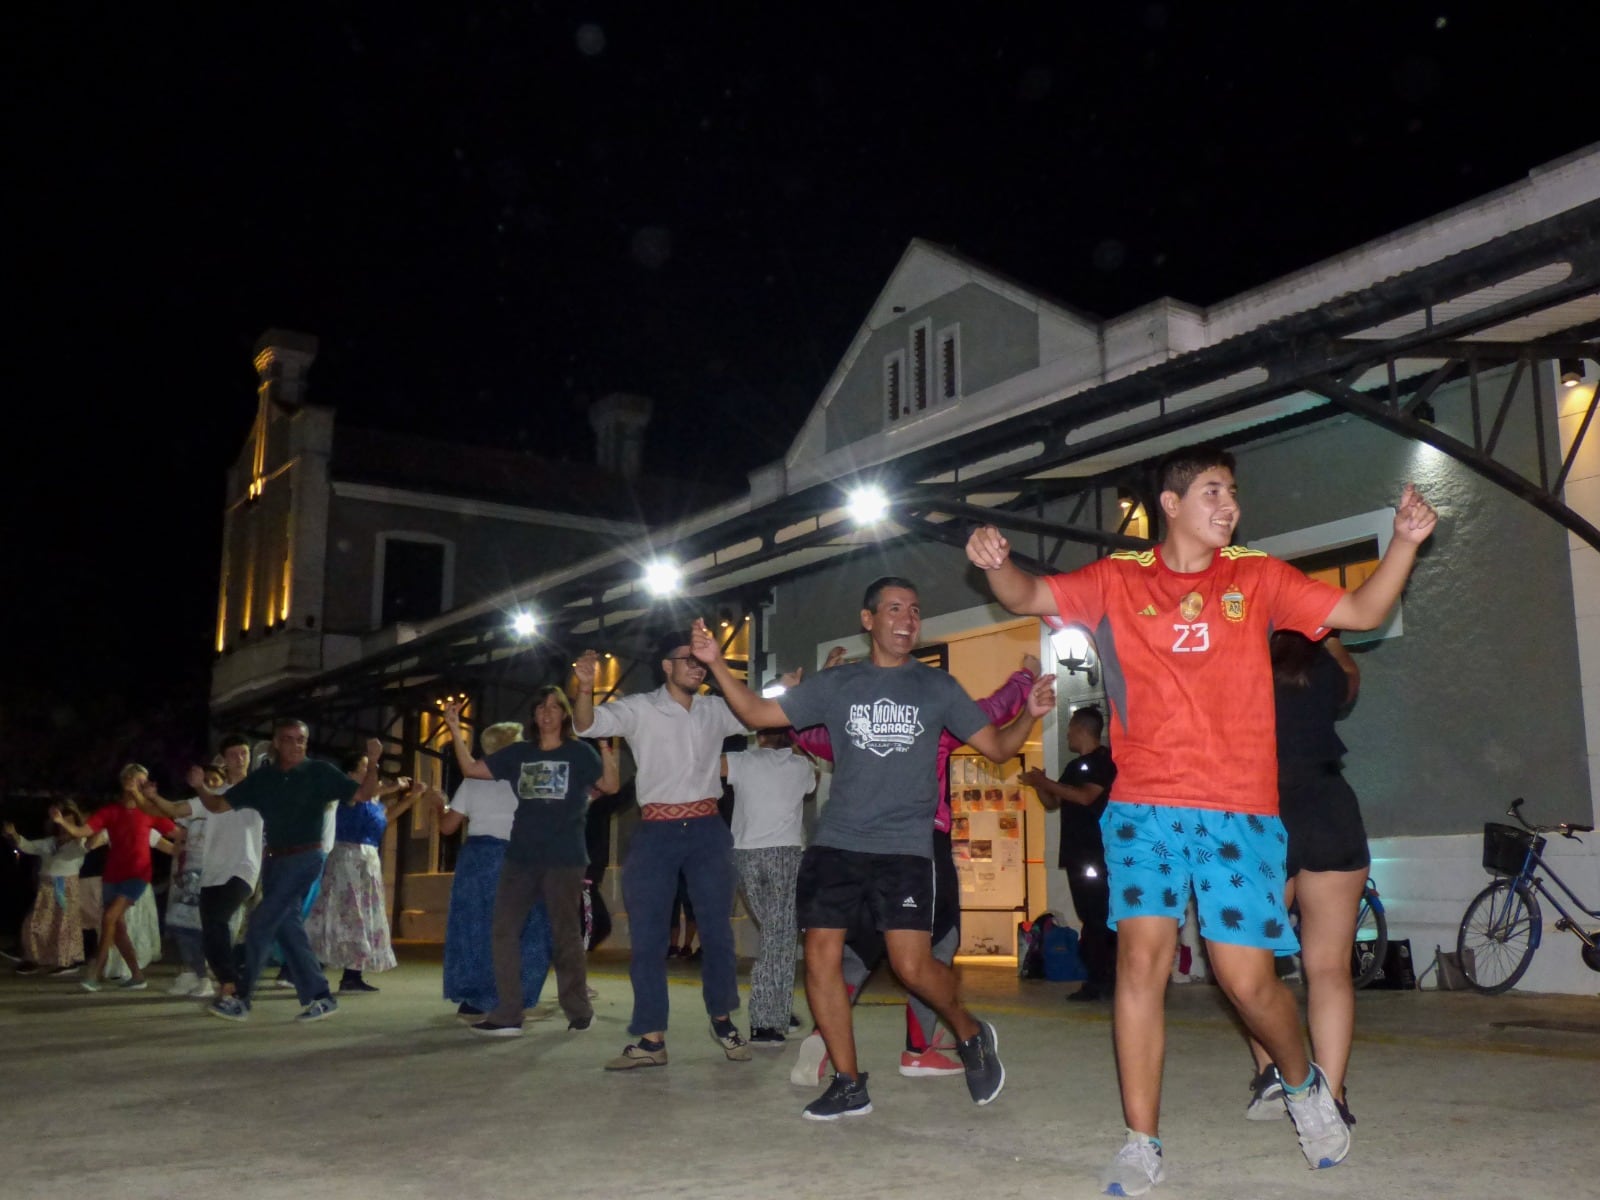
65,859
233,844
489,806
769,790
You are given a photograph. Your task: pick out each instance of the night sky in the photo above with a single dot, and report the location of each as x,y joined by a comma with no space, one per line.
492,214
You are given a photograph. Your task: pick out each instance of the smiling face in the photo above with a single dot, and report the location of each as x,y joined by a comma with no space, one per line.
550,717
894,627
1207,513
683,671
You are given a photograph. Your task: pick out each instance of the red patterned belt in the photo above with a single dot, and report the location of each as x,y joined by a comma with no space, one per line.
678,812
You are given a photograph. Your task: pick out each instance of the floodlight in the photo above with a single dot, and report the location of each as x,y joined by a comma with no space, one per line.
524,624
663,577
868,504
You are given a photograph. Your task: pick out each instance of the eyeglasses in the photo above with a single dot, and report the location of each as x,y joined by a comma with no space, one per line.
685,658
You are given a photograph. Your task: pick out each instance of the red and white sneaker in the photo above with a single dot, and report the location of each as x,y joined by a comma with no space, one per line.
811,1066
929,1062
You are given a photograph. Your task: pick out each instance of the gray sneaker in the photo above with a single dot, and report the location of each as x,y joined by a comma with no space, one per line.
1266,1096
986,1074
229,1008
1324,1137
733,1045
318,1009
1136,1168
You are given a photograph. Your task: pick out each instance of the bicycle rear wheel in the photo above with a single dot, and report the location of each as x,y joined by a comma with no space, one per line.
1499,934
1372,940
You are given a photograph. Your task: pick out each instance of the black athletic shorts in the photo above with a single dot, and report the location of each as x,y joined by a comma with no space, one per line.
896,891
1323,820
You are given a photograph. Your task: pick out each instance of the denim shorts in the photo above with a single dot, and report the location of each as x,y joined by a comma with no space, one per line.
129,889
1233,862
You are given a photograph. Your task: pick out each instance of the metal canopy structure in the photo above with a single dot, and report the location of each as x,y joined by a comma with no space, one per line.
1382,353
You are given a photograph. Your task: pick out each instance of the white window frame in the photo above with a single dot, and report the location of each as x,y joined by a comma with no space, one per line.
1348,531
949,335
447,585
894,363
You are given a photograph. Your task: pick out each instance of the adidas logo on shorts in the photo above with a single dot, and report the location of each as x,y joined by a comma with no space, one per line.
909,902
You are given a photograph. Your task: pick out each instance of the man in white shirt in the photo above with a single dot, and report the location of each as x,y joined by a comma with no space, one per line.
676,734
770,784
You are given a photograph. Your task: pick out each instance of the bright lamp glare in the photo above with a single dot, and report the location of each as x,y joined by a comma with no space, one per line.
772,691
1070,645
867,505
662,577
524,624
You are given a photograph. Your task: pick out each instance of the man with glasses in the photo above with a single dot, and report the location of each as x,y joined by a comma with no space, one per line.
676,735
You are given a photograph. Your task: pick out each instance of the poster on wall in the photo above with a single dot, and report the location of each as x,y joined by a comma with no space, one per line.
988,836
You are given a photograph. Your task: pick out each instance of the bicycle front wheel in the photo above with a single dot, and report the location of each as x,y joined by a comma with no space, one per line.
1372,941
1498,935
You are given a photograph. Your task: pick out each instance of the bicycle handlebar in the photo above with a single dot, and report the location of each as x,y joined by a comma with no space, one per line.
1566,829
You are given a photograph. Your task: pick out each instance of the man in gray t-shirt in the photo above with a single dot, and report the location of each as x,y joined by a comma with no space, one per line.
874,845
884,724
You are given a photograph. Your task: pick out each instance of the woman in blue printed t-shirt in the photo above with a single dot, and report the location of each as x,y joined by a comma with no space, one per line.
349,924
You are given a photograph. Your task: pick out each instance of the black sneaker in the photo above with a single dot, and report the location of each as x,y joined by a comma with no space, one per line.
1345,1114
466,1010
794,1021
580,1025
845,1097
986,1074
495,1030
1266,1096
27,968
355,987
765,1035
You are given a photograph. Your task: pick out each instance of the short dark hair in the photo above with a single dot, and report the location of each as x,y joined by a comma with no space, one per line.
1180,468
1091,718
232,740
288,722
874,592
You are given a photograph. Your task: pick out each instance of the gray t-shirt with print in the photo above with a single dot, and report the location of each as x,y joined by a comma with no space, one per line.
884,723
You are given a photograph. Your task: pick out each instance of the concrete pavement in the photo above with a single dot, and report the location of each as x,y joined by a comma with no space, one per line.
140,1095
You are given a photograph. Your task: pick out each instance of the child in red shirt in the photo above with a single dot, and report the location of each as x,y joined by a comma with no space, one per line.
127,870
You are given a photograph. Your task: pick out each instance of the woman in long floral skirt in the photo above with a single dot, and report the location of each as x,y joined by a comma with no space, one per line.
486,807
349,924
52,932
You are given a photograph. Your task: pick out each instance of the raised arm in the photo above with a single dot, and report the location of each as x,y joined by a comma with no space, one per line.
755,711
583,705
369,781
72,828
471,768
155,803
1015,589
1369,604
397,804
1001,744
210,800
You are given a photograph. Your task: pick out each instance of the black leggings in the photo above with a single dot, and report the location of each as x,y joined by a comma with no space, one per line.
217,906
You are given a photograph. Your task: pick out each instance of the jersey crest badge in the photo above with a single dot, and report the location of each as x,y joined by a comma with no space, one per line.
1233,603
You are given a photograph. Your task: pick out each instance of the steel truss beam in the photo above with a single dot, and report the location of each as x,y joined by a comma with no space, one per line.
1315,353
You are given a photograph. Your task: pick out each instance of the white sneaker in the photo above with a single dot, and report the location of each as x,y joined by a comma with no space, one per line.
1324,1137
183,985
1136,1168
811,1066
203,989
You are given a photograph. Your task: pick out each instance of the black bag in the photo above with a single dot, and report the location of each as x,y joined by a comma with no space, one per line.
1397,974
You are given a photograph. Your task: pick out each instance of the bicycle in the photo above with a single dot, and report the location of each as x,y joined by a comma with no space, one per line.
1372,937
1503,925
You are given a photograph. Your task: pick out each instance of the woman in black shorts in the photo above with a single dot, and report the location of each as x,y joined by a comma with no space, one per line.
1327,860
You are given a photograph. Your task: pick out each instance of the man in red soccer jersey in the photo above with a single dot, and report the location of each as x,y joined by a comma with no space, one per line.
1183,631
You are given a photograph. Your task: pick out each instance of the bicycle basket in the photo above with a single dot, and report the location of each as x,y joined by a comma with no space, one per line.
1505,848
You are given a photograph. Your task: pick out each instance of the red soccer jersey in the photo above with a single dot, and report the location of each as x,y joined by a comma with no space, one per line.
1188,672
128,856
